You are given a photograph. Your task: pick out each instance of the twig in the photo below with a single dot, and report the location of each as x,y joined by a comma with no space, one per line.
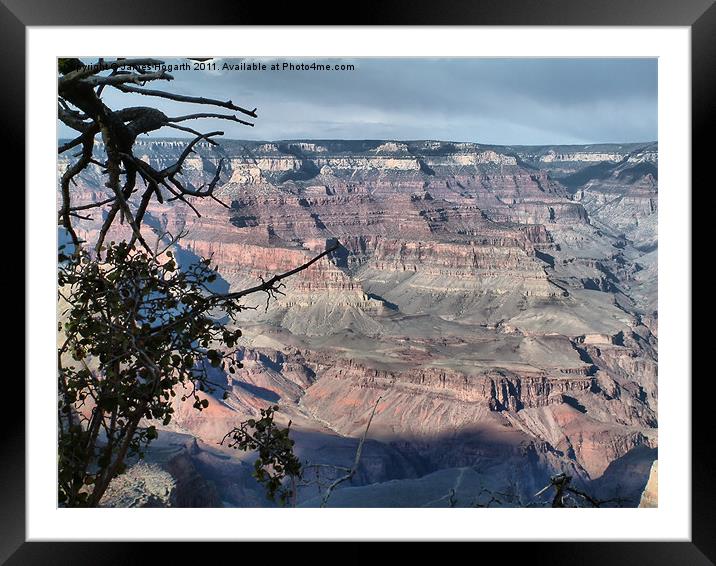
270,284
181,98
210,115
356,462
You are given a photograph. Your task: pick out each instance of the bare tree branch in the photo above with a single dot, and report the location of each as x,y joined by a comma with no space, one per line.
81,108
210,115
120,79
348,476
271,283
193,99
562,486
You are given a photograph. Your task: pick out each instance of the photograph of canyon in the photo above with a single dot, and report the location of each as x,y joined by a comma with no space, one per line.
358,282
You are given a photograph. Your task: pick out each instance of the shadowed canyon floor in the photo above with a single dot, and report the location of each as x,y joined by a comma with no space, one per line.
500,301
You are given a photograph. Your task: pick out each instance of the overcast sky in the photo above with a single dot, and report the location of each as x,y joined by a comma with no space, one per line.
496,101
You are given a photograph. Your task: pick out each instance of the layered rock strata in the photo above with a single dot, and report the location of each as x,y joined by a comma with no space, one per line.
498,303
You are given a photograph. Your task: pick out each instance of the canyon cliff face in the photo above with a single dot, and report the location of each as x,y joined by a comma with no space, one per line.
498,303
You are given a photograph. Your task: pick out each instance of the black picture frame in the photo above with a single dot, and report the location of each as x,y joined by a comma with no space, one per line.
699,15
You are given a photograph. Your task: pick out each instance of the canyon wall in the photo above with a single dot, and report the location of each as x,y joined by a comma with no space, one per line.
497,303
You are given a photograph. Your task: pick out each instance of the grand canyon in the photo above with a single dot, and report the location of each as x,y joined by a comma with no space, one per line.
496,305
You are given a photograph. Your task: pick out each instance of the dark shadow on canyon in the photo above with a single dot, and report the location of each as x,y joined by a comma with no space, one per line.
402,472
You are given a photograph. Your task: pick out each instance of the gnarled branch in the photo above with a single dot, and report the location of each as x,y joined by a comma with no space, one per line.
80,107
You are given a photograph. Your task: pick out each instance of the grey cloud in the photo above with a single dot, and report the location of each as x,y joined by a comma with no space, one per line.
501,101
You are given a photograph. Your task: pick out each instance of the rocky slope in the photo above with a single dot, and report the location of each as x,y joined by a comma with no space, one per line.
649,498
499,301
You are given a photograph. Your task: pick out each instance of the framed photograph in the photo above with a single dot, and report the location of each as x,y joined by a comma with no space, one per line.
420,278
